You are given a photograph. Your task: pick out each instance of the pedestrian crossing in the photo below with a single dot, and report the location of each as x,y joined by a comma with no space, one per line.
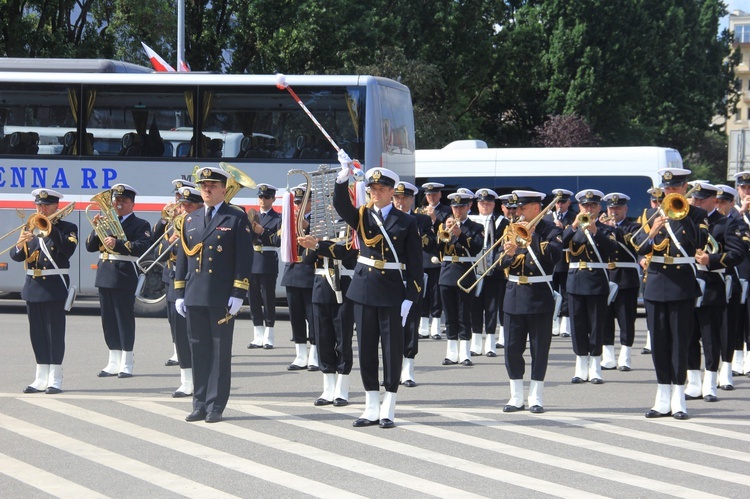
91,445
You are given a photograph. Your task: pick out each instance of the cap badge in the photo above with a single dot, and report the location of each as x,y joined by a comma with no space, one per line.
456,198
376,175
179,185
119,189
513,198
206,172
615,198
299,192
720,192
589,194
667,175
43,194
262,187
657,192
186,192
399,187
483,192
746,176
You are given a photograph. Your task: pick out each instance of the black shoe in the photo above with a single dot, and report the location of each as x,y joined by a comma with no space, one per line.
105,374
564,335
267,346
597,381
474,354
253,345
361,422
690,397
681,415
728,388
500,346
608,368
339,402
124,375
624,368
52,390
410,383
196,415
322,401
512,408
710,398
491,354
436,337
178,394
424,337
31,389
295,367
467,362
645,351
382,383
387,423
170,363
577,380
313,368
448,362
735,373
651,414
213,417
536,409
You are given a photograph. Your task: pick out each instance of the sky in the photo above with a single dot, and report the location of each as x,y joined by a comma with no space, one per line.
734,5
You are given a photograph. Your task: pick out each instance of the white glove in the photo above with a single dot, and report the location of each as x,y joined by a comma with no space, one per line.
179,305
346,170
234,305
405,307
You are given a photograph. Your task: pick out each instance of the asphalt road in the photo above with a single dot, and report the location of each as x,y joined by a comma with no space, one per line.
110,437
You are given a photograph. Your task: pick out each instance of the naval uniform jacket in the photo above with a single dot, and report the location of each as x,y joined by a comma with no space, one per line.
743,269
380,287
468,244
533,298
221,266
498,226
267,261
119,274
300,274
61,244
727,232
664,282
322,293
588,281
625,277
429,240
567,219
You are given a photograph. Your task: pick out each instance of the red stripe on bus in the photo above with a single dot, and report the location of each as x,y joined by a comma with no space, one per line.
81,206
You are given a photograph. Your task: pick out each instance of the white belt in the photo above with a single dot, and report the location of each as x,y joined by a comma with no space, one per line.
623,265
703,268
41,272
380,264
342,272
261,249
459,259
588,265
523,279
122,258
673,260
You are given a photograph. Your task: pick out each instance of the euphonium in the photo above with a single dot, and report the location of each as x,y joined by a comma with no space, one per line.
109,225
237,181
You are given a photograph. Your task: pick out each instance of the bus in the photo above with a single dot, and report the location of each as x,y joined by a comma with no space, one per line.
81,126
471,164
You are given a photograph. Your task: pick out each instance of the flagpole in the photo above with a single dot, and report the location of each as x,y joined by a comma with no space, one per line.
180,35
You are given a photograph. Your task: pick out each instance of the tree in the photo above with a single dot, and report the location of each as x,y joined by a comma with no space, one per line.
565,131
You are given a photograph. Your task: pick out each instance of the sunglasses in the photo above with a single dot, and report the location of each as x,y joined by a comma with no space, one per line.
297,201
265,196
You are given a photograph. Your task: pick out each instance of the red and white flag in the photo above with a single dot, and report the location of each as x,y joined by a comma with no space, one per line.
159,64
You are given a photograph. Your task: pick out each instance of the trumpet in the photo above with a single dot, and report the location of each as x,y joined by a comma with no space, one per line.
518,232
444,234
40,225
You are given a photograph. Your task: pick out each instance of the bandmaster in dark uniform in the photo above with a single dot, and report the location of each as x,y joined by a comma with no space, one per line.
431,307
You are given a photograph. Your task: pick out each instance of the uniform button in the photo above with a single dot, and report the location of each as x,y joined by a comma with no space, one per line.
394,238
382,272
664,266
210,247
218,237
678,266
210,259
369,270
210,271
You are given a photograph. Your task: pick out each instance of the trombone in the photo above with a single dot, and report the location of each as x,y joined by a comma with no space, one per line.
674,206
168,213
517,231
40,225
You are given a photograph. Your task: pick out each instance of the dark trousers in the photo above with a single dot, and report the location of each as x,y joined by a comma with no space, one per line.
731,333
299,301
211,354
431,304
118,318
485,307
47,330
411,331
379,325
538,329
457,306
709,322
670,324
587,316
178,328
560,284
624,309
262,297
334,328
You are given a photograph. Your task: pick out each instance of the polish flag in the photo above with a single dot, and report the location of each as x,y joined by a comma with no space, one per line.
159,64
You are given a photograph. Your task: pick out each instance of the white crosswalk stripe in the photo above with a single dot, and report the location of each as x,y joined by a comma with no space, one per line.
472,453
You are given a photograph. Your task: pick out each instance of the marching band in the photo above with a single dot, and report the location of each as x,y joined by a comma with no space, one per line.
520,272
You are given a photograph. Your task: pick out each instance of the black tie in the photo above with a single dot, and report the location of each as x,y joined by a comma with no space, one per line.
209,214
119,218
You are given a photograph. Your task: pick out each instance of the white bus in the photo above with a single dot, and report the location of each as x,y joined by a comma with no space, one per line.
470,164
80,126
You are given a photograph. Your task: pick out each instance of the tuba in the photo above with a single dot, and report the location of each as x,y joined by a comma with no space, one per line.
238,179
109,225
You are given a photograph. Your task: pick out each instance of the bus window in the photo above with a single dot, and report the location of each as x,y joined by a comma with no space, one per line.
34,119
132,120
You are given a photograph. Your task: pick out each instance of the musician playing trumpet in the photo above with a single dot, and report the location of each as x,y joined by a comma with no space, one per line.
117,277
529,301
431,307
47,260
459,241
741,361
